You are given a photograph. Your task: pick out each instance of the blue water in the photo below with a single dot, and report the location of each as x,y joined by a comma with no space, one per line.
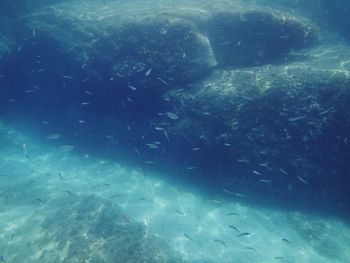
171,123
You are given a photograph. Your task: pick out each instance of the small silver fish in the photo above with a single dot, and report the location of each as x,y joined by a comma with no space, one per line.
292,119
65,148
53,136
148,72
302,180
265,181
132,87
172,116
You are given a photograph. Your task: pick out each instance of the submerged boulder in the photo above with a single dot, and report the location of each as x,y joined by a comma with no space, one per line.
280,129
258,37
137,58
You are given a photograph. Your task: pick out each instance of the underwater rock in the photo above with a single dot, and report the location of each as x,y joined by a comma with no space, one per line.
270,124
168,49
251,38
175,51
137,59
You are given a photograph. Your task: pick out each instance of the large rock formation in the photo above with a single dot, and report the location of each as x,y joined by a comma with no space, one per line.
283,129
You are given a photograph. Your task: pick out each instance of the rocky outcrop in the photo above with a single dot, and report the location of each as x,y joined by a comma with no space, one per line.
257,37
285,126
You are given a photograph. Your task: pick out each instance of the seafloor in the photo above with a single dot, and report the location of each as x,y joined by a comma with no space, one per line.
59,204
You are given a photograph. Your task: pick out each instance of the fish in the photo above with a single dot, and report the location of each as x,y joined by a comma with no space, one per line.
297,118
148,72
84,103
191,167
53,136
67,77
179,212
60,175
159,128
243,160
188,236
221,242
196,148
166,135
137,151
65,148
326,111
302,180
235,228
232,214
172,116
2,259
243,234
285,240
283,171
132,87
88,92
40,200
264,164
251,248
256,172
265,181
227,191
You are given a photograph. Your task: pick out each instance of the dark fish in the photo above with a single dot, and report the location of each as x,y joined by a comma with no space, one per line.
68,192
235,228
60,175
285,240
188,236
243,234
2,259
40,200
251,248
179,212
232,214
221,242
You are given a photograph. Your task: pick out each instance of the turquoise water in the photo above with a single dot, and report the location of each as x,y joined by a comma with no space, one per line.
174,131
